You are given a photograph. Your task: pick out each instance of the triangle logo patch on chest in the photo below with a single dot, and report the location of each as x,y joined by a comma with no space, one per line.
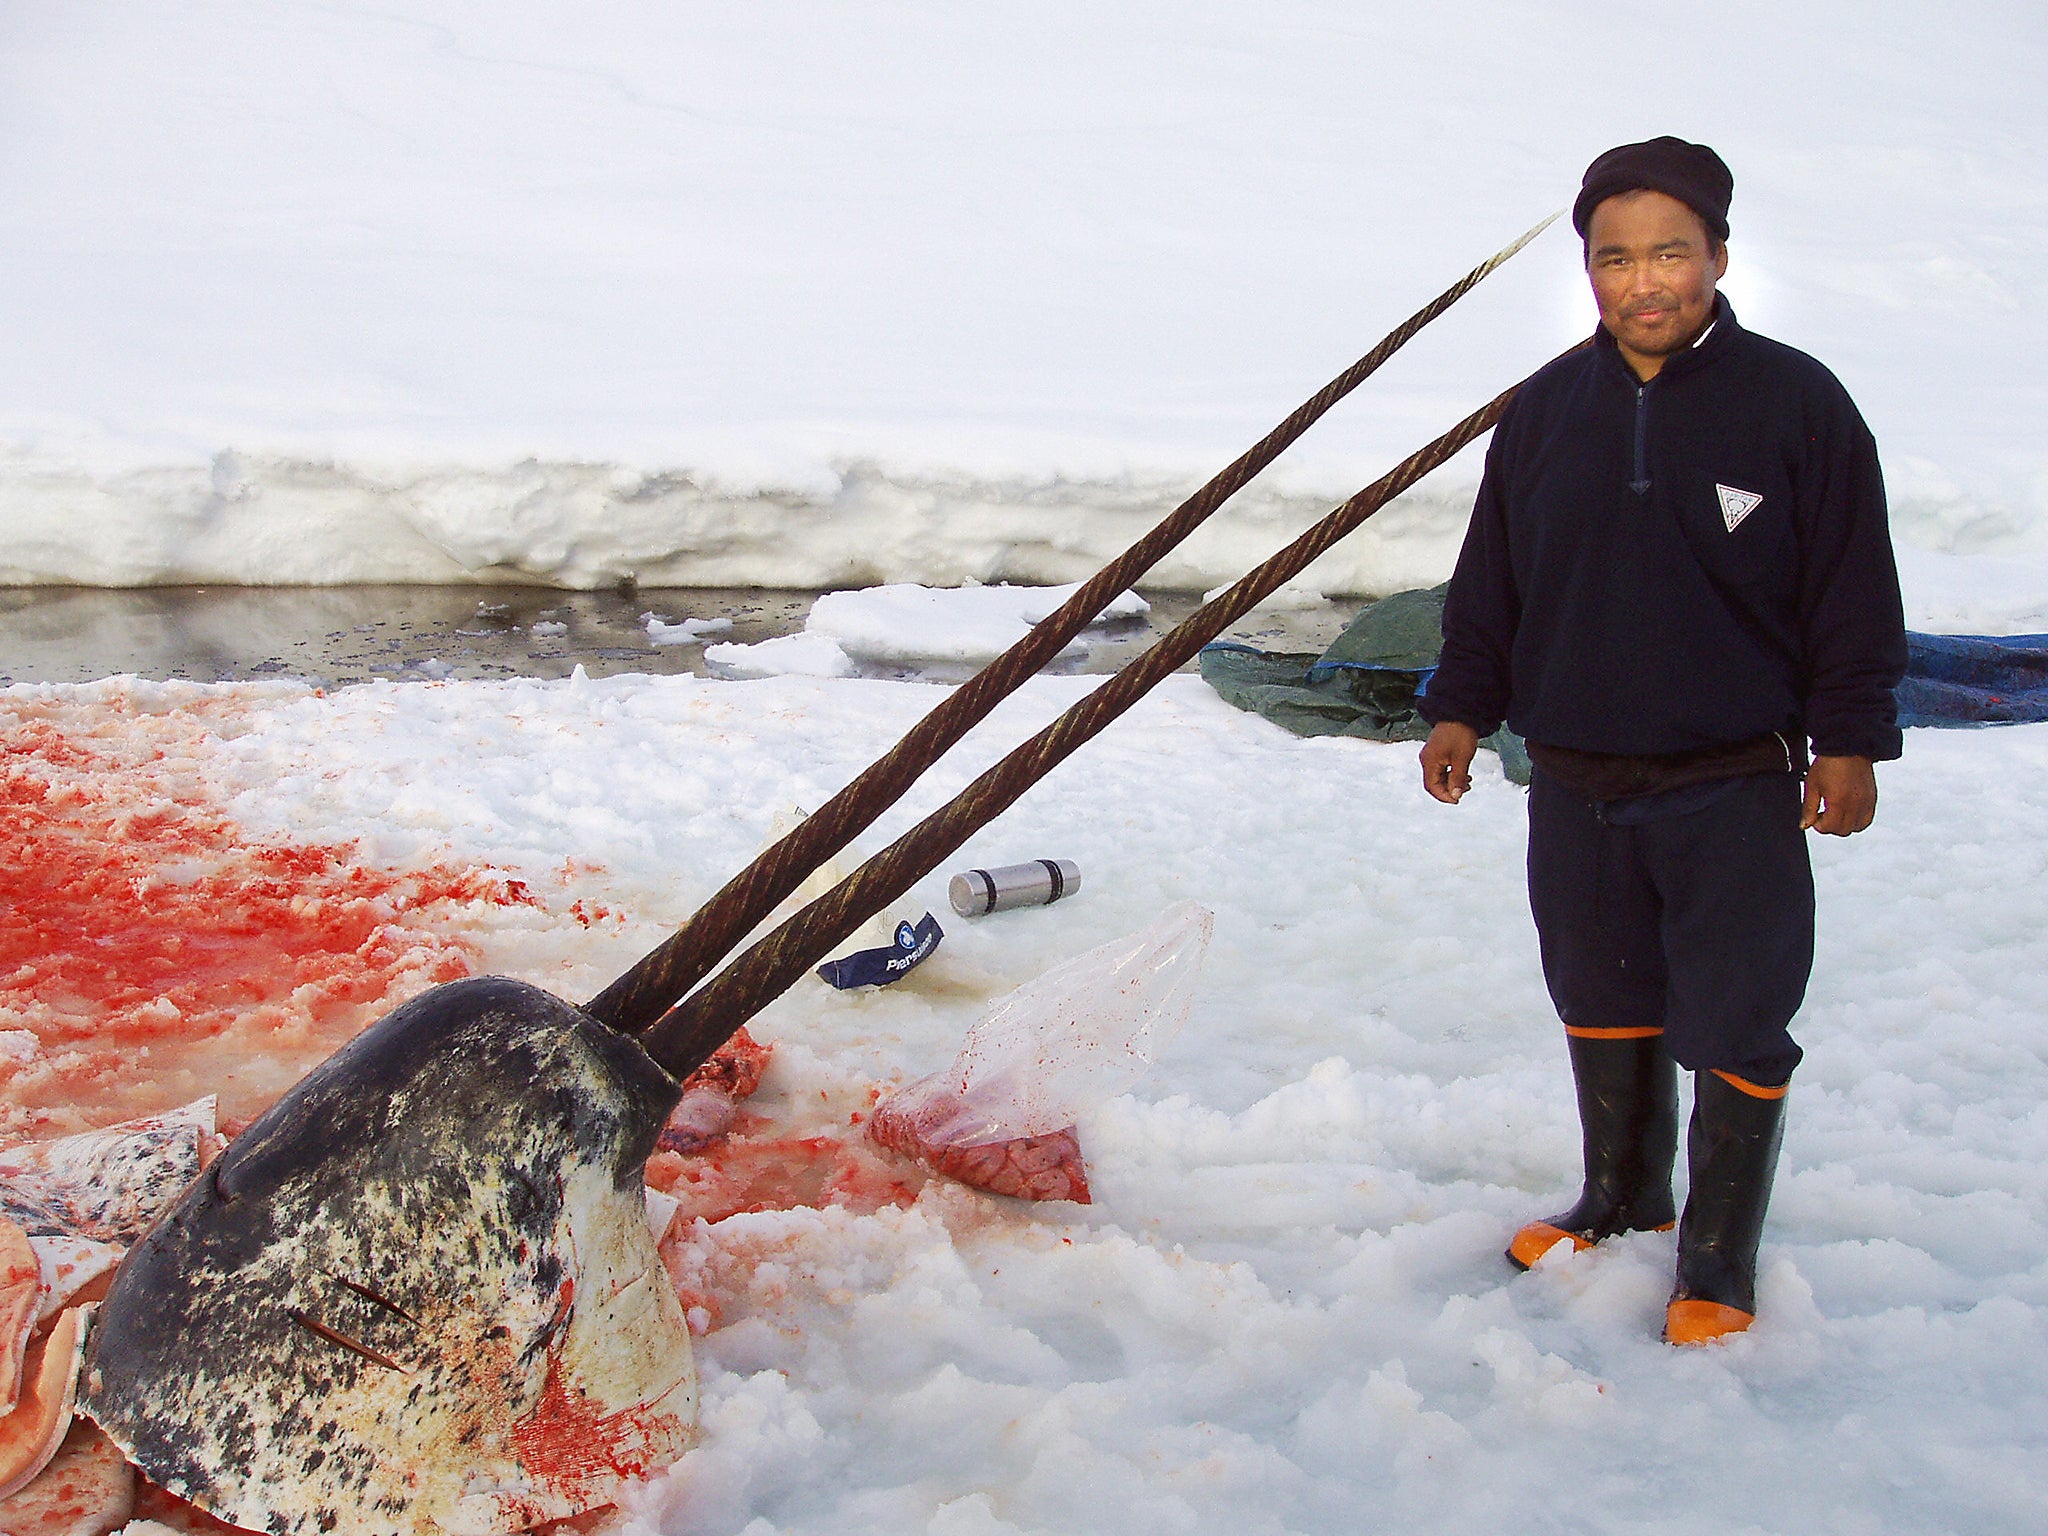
1736,505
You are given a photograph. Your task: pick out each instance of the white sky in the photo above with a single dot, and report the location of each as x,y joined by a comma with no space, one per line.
758,238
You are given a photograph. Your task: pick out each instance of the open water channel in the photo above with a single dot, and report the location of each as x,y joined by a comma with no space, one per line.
333,636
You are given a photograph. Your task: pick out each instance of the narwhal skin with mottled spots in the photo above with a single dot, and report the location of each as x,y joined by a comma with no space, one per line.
419,1294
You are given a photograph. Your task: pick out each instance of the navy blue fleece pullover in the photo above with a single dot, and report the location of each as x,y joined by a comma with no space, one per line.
1682,564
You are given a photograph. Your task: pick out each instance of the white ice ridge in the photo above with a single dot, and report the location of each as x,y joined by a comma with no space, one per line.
247,520
276,521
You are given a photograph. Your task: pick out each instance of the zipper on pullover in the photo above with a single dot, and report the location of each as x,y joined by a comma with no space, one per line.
1641,483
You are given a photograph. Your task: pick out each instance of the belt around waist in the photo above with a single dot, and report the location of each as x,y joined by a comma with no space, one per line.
1617,776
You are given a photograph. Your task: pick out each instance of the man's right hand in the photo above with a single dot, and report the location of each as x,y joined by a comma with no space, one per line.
1447,761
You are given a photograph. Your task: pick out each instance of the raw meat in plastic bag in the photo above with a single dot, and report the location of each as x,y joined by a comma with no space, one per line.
1002,1116
1047,1167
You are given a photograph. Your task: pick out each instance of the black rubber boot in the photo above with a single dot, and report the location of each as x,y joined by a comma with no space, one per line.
1731,1151
1628,1119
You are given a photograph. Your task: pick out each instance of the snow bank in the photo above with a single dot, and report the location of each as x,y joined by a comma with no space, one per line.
1287,1310
1974,594
269,521
816,297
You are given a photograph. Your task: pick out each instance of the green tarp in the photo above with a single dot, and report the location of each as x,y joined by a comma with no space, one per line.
1365,684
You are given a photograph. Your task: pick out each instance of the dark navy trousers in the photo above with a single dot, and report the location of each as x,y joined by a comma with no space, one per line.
1688,911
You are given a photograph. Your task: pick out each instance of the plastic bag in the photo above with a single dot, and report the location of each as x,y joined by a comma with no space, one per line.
1002,1116
876,931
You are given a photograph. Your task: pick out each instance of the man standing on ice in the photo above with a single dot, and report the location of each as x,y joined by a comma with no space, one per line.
1677,575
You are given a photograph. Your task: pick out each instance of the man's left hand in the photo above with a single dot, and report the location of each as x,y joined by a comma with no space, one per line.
1841,795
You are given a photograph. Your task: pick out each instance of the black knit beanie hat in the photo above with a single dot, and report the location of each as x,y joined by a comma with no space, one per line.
1692,173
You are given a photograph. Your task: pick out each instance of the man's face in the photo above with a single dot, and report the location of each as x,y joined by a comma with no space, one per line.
1653,269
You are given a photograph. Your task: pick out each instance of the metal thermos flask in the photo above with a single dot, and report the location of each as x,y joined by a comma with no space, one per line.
1037,884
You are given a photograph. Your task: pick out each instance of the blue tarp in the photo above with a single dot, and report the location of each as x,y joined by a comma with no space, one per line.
1954,680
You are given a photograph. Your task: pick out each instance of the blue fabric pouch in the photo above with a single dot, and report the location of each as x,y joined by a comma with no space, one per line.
892,962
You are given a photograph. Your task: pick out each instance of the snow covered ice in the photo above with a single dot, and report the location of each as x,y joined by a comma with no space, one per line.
1287,1310
912,295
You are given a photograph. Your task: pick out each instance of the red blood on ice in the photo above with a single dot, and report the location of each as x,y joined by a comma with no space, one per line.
754,1169
141,923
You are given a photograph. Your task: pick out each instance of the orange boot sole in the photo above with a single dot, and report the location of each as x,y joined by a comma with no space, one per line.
1539,1237
1703,1322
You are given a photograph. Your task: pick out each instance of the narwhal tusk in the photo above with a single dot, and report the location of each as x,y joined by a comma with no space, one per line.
716,928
